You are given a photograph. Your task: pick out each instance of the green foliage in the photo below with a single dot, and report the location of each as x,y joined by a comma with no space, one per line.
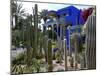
58,57
35,65
15,37
17,9
81,48
20,59
43,15
80,45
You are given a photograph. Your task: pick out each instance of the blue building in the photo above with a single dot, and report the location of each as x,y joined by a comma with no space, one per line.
68,16
71,15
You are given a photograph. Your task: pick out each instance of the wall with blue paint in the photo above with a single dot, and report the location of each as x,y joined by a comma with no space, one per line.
72,16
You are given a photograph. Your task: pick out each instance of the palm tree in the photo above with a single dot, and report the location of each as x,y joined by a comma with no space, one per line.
43,16
17,12
13,10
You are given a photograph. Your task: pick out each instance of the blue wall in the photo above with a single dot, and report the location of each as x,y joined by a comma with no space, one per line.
72,16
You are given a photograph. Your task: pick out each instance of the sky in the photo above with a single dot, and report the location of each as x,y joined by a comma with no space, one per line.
28,6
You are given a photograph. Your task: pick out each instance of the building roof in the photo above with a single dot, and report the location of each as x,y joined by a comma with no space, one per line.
74,9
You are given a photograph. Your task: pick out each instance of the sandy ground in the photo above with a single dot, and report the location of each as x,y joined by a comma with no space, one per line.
58,67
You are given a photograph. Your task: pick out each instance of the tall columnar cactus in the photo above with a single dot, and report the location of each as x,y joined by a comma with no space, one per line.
50,58
45,47
65,47
40,43
60,44
65,50
43,16
31,31
76,49
28,60
35,16
91,42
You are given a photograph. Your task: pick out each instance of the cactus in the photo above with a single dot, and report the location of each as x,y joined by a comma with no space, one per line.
45,45
76,49
50,58
65,49
28,60
35,16
91,42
